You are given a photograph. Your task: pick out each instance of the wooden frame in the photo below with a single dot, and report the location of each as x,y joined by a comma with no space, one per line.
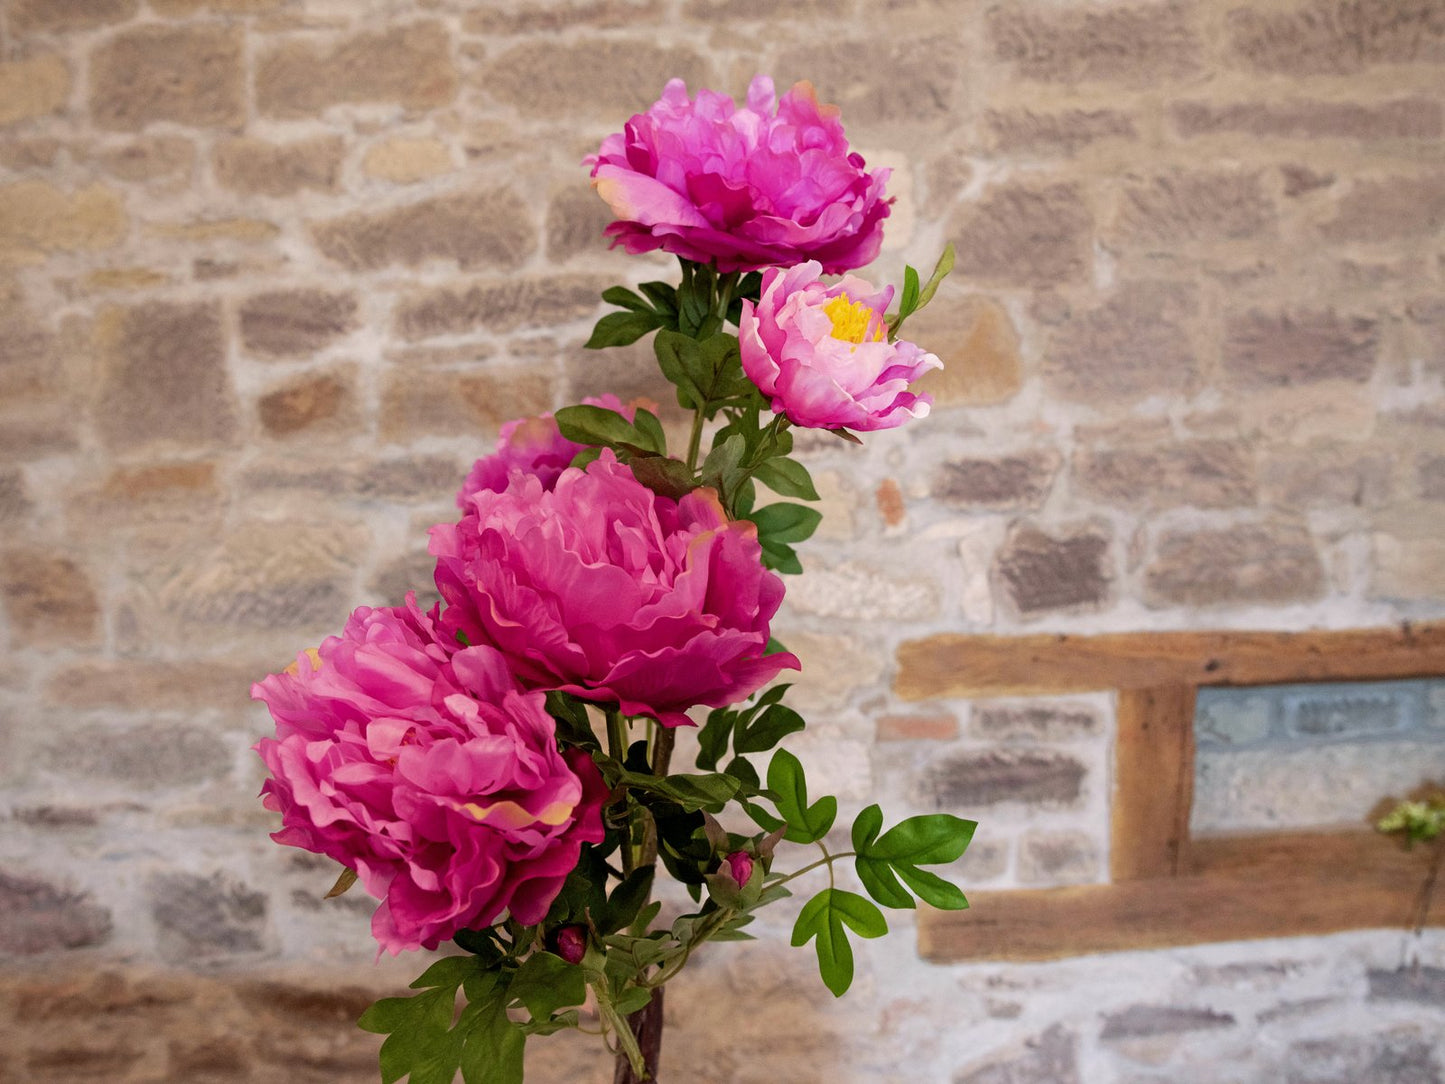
1166,888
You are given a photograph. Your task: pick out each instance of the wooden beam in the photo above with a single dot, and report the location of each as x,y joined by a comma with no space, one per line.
1284,885
1153,782
957,665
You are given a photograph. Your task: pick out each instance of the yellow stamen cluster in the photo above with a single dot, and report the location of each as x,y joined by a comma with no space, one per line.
853,320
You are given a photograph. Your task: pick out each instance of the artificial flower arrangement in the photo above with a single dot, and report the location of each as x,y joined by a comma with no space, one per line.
498,771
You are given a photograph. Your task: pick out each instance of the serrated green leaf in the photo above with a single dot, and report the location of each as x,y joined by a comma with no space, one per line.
806,824
493,1047
621,329
775,723
787,478
826,919
545,983
785,522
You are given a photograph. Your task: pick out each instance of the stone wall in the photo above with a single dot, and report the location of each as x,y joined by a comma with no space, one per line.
272,272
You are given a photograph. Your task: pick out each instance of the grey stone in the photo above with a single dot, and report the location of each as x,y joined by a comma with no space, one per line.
1135,343
1034,722
1057,858
1249,564
295,323
202,918
39,916
991,777
1393,1058
1232,719
1284,349
1050,1058
1042,572
1425,985
1337,711
500,306
1142,1020
153,755
1016,481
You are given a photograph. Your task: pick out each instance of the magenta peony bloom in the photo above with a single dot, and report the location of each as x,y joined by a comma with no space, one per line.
428,773
743,188
532,446
607,590
821,353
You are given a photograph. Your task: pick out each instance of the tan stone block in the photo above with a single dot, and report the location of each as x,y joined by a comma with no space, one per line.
62,16
48,598
605,78
529,19
939,726
889,500
474,229
1060,857
1408,567
1204,474
1138,43
1034,721
1002,482
1015,131
403,160
1326,475
295,323
576,217
475,404
852,591
219,229
33,88
880,81
968,780
149,158
409,65
163,375
979,348
116,279
15,503
256,167
1070,568
318,401
1251,564
181,8
1288,348
191,75
1403,118
500,306
1194,206
147,494
836,669
22,155
1025,235
1389,209
1330,37
37,217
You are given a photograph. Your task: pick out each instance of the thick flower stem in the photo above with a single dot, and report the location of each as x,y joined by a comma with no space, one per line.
646,1024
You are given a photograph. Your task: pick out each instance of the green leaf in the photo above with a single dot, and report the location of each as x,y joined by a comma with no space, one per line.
933,839
624,298
712,738
771,727
806,824
545,983
786,478
677,356
781,558
667,477
909,301
786,522
493,1047
827,917
596,425
621,328
574,726
625,901
940,272
720,468
741,769
662,295
645,422
633,999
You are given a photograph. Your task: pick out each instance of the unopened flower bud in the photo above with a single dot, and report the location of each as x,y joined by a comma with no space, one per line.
740,865
571,943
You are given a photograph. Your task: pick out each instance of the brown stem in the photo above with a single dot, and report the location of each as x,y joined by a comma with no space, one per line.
646,1024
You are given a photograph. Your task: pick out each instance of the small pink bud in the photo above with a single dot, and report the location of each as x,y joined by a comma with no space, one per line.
572,943
740,865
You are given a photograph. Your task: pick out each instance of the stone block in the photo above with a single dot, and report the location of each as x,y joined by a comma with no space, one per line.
1348,711
1026,131
935,726
163,375
1124,43
1395,1057
39,916
1389,209
146,757
1186,206
408,65
1248,565
836,670
1034,722
1139,1021
979,348
486,229
410,572
1423,985
15,503
1050,1058
25,17
1042,572
972,779
415,404
33,87
1232,717
850,591
507,19
256,167
1058,858
323,401
404,160
1403,118
1335,37
881,81
888,499
1135,343
1008,482
144,685
1282,349
576,217
499,306
628,372
1409,564
1025,235
604,78
48,597
36,217
1326,476
295,323
205,918
1203,473
190,75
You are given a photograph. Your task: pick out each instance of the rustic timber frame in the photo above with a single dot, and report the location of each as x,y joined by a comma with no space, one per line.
1165,888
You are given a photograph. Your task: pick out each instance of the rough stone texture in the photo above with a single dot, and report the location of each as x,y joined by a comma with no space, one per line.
151,756
576,217
47,596
1399,1058
163,375
1042,571
979,348
295,323
63,16
36,217
1206,474
499,306
880,78
1064,132
1328,37
1141,1020
1224,717
409,65
1335,713
1129,43
1389,209
1423,984
1405,118
258,168
140,685
431,404
1246,565
1194,206
304,404
1136,343
598,77
206,918
190,75
940,727
1024,236
37,916
1051,1058
475,229
1283,349
972,780
407,161
1034,722
1057,858
1018,481
32,88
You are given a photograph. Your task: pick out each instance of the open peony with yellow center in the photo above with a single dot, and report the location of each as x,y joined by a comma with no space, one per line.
821,353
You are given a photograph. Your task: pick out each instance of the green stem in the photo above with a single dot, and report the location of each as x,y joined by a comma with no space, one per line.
694,441
826,860
617,749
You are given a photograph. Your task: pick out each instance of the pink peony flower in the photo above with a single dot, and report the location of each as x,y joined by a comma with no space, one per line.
739,865
609,591
532,446
821,353
428,773
742,188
